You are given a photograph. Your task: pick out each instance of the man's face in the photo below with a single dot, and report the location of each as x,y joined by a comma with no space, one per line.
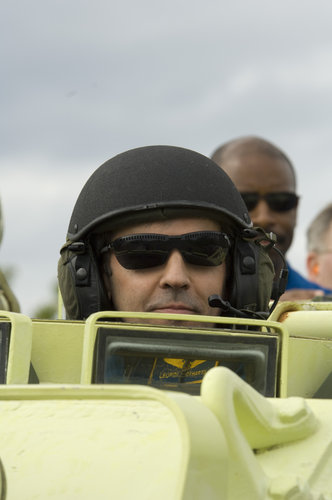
264,174
174,287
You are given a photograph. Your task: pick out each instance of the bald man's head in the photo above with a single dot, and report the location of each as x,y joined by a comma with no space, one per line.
260,169
250,145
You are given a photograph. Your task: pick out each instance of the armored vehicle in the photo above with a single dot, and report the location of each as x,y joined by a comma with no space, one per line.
102,408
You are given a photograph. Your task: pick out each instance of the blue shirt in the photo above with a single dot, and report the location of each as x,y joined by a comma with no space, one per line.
295,280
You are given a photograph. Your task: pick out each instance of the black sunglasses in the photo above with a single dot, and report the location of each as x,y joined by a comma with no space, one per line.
142,251
278,201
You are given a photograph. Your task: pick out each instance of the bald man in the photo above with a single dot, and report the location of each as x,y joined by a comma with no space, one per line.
266,179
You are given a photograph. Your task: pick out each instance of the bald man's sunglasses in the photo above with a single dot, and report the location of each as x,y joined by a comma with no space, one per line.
278,202
143,251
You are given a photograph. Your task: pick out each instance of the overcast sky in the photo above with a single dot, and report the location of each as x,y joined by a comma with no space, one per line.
84,80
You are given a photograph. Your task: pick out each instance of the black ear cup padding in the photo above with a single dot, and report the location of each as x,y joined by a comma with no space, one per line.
86,285
80,283
253,272
244,276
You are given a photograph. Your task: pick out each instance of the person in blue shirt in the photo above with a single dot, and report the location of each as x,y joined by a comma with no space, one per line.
266,179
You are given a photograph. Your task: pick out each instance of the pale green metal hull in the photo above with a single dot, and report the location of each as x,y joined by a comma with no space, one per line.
69,438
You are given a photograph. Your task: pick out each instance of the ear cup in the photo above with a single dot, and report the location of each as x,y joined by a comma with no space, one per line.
243,293
80,283
253,273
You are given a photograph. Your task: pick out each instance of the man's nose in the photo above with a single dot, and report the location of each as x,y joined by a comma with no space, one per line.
175,272
262,215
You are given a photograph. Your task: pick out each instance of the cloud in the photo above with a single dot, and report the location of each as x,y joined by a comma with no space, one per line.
83,81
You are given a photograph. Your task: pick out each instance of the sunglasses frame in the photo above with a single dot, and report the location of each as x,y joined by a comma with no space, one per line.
161,246
278,201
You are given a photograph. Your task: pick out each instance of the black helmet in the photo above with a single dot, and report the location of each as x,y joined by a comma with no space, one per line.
149,178
152,183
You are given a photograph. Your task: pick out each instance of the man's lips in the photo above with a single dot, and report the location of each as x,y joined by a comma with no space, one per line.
174,308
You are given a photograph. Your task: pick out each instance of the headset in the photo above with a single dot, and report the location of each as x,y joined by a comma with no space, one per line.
251,278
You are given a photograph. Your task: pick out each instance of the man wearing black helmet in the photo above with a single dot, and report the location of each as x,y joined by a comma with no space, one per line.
162,229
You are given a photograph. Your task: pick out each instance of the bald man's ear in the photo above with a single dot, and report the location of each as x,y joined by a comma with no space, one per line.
313,266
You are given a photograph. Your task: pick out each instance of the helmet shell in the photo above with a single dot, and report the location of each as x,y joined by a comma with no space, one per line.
155,179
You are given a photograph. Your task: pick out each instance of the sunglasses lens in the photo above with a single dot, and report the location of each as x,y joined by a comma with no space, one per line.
150,250
144,260
205,250
206,257
282,202
250,200
139,252
278,202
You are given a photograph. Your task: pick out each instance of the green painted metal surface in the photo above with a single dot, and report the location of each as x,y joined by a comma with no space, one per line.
66,437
